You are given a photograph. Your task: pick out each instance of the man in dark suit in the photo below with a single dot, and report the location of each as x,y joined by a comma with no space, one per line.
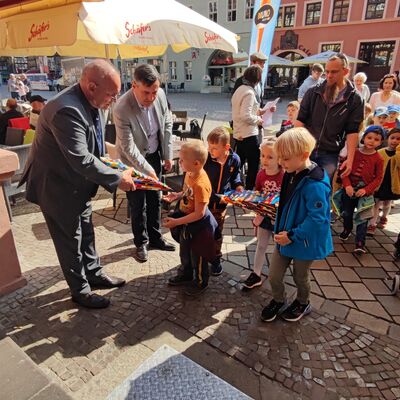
64,171
144,140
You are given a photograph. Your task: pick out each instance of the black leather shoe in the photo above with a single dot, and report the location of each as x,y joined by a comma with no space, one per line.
106,282
91,300
142,253
162,245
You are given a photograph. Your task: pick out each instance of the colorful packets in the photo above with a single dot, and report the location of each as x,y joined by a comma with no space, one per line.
265,204
141,180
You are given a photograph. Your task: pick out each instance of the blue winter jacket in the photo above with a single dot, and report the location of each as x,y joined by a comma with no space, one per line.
222,177
306,215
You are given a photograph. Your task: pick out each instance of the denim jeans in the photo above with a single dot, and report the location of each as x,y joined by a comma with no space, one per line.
327,161
349,204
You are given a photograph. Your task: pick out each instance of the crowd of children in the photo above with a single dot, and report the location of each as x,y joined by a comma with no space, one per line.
301,232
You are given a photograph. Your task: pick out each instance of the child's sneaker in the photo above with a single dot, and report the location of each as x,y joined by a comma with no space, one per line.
296,311
382,223
179,280
371,230
252,281
195,290
345,234
360,248
216,269
272,310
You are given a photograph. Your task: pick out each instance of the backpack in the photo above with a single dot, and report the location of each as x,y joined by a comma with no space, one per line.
195,129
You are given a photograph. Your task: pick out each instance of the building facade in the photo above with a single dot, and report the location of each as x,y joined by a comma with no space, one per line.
365,29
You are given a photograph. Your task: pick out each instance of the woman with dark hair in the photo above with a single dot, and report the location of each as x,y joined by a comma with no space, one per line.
246,120
387,94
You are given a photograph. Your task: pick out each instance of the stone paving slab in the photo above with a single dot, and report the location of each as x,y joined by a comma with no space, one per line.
338,351
169,375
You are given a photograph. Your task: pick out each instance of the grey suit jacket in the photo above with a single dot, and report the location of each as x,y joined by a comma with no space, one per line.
132,144
63,170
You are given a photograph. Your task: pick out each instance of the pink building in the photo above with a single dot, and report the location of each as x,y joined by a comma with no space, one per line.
365,29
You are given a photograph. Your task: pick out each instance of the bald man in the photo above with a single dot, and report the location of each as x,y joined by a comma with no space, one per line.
64,171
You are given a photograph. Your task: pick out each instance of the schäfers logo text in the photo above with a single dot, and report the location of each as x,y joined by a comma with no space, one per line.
37,30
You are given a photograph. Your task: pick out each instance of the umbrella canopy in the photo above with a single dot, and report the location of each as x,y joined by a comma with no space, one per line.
129,28
274,61
323,58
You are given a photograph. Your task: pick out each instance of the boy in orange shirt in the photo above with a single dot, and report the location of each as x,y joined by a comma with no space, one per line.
193,225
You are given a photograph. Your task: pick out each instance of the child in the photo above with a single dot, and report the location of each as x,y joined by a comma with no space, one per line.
292,112
390,187
223,170
268,180
393,117
195,224
380,116
365,177
302,228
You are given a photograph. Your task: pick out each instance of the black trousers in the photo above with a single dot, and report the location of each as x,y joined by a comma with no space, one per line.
248,150
74,241
145,207
192,263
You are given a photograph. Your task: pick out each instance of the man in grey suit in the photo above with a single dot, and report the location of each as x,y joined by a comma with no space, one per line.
64,171
144,139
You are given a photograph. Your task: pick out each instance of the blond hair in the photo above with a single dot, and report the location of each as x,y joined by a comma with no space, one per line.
219,135
196,149
294,104
268,142
294,142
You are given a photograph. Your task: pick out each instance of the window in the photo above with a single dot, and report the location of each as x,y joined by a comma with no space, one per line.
212,10
331,46
188,70
231,10
172,71
249,9
288,16
340,10
377,54
375,9
279,19
313,13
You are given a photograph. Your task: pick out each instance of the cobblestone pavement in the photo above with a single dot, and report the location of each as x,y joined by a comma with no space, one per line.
347,348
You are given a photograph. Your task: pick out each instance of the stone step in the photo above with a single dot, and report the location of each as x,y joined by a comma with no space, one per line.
22,379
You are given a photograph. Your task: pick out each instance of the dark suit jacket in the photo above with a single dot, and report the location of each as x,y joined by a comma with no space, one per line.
63,170
4,118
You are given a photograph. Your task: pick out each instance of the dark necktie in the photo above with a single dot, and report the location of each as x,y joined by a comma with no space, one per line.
99,133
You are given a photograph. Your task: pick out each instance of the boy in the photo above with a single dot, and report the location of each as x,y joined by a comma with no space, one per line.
393,117
380,116
223,170
302,227
365,178
196,227
292,111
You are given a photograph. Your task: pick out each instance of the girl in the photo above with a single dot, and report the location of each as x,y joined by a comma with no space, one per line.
269,179
390,187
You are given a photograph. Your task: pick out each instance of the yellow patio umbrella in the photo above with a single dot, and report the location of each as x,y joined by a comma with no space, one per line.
128,28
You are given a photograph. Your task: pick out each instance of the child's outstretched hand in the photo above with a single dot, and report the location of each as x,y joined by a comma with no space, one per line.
360,193
282,238
349,191
169,198
169,223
